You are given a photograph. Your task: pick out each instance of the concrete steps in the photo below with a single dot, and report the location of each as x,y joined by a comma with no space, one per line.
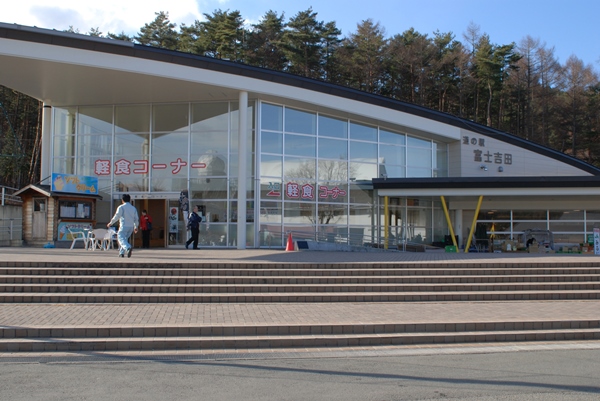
313,283
289,280
271,291
122,283
135,338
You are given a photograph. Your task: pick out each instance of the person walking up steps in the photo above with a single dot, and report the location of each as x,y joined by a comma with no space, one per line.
128,219
194,225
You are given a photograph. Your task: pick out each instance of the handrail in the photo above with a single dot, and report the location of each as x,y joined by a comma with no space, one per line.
6,198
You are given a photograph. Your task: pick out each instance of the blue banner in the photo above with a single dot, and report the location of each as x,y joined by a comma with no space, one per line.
77,184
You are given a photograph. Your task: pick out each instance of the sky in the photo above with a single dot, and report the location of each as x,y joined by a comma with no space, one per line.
568,26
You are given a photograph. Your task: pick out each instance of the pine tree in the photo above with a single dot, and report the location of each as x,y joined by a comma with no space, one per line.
159,33
264,45
222,35
366,49
302,44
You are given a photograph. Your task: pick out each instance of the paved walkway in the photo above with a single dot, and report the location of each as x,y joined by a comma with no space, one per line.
234,256
172,315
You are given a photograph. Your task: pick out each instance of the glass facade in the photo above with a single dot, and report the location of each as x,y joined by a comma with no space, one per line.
315,177
308,172
567,226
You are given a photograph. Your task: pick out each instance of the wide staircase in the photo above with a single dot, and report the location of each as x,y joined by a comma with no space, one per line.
330,288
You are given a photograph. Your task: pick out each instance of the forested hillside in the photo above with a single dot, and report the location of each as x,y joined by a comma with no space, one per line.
517,87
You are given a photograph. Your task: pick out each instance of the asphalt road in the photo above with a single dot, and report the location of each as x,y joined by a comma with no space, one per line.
565,375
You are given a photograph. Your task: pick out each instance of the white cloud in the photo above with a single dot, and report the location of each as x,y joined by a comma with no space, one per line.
114,16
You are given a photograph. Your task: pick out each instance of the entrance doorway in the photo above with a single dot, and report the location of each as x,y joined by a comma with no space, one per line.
156,209
39,219
168,222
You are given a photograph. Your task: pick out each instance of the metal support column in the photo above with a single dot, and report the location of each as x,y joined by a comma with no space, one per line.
448,221
242,173
386,224
468,245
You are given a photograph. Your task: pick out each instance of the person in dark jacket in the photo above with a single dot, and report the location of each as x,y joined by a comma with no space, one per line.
194,226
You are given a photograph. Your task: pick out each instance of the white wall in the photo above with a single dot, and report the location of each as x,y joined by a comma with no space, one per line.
514,161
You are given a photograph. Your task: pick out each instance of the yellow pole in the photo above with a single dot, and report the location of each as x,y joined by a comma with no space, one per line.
386,225
448,221
473,224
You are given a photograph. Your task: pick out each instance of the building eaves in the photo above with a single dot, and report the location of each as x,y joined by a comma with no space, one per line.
492,182
117,47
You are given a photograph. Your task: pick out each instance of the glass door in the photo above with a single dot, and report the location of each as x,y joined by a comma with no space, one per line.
176,224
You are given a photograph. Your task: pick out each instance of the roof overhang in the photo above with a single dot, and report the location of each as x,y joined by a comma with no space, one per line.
68,69
45,191
498,186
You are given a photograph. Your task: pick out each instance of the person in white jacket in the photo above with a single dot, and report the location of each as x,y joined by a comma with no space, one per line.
128,219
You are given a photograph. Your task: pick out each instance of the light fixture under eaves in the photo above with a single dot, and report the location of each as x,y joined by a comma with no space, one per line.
483,167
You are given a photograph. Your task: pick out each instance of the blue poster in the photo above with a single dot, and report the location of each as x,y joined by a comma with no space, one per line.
76,184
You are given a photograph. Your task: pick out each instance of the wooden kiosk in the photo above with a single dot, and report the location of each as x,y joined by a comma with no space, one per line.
50,214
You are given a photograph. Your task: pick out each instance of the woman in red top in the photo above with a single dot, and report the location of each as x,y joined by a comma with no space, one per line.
146,226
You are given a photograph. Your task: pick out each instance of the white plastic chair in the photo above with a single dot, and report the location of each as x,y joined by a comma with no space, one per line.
78,236
110,238
99,239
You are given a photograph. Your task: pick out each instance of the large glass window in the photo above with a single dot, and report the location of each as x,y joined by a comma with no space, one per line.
565,214
332,213
132,144
363,171
170,117
167,147
419,158
360,214
208,142
300,122
132,119
441,160
271,117
418,142
300,145
89,165
271,142
346,154
361,151
271,189
333,149
64,165
299,213
567,226
271,165
389,170
64,121
64,145
299,167
333,171
210,117
95,120
250,145
392,138
363,132
390,154
64,134
94,145
333,127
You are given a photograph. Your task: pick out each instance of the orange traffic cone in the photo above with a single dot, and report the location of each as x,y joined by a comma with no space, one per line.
290,243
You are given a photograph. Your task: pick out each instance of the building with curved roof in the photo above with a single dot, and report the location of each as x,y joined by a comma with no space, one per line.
290,153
